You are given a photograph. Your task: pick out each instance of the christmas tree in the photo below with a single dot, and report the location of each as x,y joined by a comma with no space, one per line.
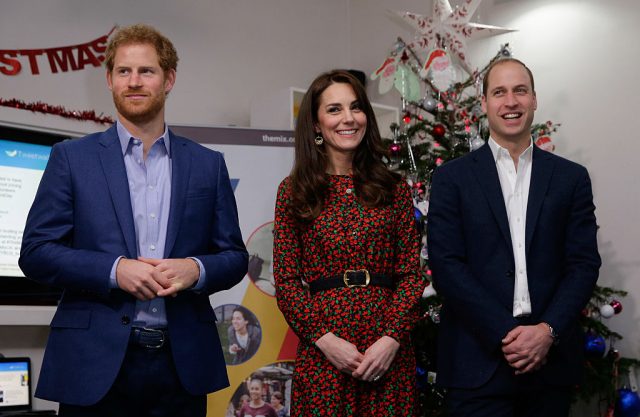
605,383
442,119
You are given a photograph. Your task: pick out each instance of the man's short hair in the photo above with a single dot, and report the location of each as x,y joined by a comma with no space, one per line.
143,34
485,80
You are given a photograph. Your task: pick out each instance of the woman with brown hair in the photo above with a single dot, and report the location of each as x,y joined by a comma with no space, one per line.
277,402
257,407
344,226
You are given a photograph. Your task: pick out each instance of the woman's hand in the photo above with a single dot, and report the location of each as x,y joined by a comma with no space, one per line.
377,359
341,353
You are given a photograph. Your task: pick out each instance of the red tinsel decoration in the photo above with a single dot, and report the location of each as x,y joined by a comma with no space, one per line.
45,108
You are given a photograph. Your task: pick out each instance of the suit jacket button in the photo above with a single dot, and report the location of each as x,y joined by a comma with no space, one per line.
126,320
510,273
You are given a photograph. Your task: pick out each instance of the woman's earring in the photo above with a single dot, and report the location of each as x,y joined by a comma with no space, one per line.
319,140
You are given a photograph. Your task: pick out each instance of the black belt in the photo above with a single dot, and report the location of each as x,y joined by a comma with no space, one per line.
351,279
149,338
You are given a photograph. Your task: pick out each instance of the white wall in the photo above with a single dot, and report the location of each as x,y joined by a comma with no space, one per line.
584,55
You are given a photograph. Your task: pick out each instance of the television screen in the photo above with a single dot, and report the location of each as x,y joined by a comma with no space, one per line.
23,157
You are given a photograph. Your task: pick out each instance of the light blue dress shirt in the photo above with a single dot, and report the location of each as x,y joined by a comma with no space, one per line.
150,192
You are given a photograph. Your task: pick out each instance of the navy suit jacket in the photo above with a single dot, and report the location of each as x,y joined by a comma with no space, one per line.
81,221
471,258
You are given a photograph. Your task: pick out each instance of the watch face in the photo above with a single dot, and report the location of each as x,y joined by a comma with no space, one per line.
554,335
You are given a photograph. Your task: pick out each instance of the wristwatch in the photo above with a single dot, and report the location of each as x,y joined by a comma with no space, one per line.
554,335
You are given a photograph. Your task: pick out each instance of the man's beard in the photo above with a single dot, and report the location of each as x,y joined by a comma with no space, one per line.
141,113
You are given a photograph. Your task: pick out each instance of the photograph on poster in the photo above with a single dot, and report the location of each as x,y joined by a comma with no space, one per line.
271,389
260,248
239,331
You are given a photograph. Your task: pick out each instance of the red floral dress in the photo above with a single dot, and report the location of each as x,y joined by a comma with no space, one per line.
348,235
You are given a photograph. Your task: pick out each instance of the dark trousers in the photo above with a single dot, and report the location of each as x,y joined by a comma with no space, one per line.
147,386
509,395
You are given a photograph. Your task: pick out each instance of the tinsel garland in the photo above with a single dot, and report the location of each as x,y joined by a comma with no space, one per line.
45,108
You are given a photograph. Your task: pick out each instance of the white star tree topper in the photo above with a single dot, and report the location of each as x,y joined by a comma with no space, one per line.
449,29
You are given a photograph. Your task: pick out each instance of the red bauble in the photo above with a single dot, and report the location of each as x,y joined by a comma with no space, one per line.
438,131
617,306
406,119
395,148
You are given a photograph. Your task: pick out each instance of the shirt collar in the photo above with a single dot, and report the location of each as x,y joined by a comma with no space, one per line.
125,137
500,152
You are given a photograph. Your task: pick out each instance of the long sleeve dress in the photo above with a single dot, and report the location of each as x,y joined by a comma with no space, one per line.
347,235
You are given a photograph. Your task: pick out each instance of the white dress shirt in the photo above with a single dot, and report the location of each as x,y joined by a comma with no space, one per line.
515,190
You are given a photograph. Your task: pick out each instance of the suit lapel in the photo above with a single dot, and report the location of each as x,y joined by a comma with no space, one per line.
180,171
486,174
116,176
541,170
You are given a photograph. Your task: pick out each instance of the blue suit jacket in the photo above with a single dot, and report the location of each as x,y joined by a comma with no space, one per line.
471,257
81,221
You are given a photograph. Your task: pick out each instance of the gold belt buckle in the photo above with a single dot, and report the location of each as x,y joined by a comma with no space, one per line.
345,278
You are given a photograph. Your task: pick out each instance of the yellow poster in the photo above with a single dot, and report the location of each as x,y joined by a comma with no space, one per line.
255,338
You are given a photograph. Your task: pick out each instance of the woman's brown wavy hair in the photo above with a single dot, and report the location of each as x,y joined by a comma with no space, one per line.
374,183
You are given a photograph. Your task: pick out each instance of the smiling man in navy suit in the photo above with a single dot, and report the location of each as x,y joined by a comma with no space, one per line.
138,226
512,247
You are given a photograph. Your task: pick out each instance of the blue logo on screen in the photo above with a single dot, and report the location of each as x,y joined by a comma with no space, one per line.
13,366
23,155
